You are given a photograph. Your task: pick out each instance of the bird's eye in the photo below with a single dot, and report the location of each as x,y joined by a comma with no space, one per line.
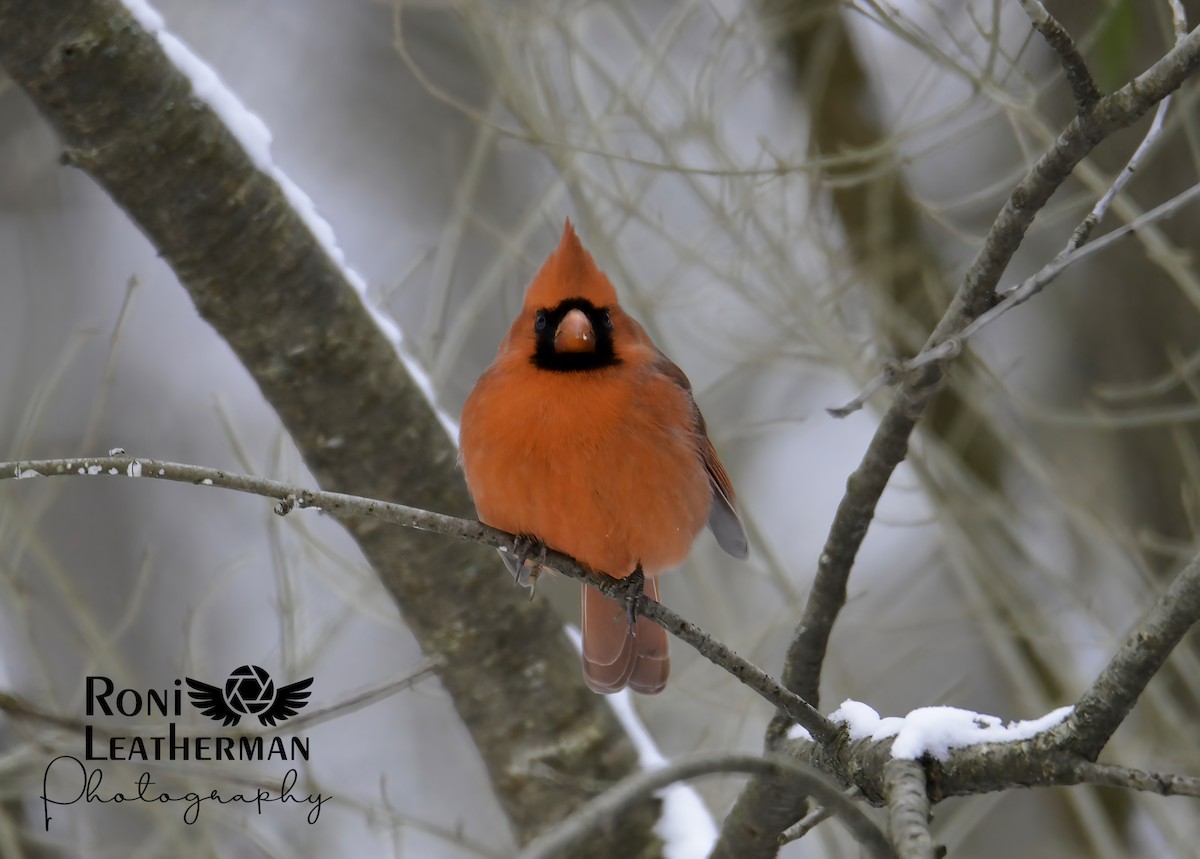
607,320
539,321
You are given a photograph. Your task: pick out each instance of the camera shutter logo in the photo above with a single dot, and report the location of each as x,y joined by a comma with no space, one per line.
250,691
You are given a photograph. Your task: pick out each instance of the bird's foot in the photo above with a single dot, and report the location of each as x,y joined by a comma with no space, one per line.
530,555
634,594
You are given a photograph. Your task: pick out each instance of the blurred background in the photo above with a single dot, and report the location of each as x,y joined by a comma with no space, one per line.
786,194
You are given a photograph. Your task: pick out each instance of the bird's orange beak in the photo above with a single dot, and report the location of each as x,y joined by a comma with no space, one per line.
575,333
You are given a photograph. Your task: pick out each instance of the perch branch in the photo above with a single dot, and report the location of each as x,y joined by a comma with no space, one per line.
289,497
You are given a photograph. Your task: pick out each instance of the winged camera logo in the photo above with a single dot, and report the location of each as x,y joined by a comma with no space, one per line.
155,736
249,691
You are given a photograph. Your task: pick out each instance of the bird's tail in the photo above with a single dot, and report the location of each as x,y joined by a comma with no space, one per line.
613,656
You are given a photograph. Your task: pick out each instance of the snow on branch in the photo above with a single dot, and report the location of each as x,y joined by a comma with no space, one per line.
961,752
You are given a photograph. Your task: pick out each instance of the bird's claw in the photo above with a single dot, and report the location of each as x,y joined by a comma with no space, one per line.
633,596
529,553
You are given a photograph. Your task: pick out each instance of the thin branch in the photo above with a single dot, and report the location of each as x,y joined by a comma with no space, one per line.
1105,705
887,449
975,296
565,838
1017,295
1068,256
805,825
1164,784
1083,87
289,497
812,820
908,809
1084,230
1054,758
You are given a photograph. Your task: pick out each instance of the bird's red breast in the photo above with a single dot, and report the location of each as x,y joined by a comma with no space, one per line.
583,435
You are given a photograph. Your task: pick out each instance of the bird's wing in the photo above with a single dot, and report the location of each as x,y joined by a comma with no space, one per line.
288,702
723,518
211,702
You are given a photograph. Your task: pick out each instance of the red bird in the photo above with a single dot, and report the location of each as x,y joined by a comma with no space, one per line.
584,436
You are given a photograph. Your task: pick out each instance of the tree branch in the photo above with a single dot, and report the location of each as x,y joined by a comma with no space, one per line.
1068,256
1052,758
1062,755
1042,761
1083,87
975,296
908,809
1164,784
1105,705
289,497
1025,290
564,840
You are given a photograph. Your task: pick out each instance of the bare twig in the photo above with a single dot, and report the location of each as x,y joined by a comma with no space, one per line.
1017,295
565,838
951,347
1164,784
1084,230
908,809
1053,758
289,497
1083,87
812,820
1105,705
975,296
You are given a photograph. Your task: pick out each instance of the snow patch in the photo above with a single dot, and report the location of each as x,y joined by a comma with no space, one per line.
26,473
799,732
864,723
936,730
207,481
134,469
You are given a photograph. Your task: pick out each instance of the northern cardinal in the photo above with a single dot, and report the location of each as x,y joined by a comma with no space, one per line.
585,437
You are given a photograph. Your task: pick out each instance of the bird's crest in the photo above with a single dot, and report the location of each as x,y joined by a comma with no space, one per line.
569,272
